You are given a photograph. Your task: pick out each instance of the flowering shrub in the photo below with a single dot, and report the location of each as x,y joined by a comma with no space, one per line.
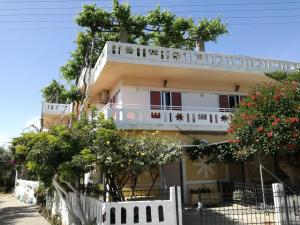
267,122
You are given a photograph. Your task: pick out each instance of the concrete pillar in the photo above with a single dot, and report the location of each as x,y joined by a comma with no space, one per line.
280,204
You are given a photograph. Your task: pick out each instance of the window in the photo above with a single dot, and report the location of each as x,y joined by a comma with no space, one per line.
165,100
229,101
234,101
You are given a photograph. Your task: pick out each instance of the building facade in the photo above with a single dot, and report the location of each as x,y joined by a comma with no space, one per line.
183,94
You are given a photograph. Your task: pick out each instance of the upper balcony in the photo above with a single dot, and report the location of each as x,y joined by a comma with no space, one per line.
54,113
116,59
139,117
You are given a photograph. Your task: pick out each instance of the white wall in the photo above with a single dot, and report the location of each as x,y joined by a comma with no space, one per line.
197,99
99,211
25,190
135,95
140,96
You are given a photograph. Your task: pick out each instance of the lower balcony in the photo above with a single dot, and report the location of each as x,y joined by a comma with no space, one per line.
54,114
171,118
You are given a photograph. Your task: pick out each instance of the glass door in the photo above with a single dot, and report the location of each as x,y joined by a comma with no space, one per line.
166,102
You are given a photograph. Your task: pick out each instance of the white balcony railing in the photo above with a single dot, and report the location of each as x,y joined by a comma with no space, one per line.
170,55
56,109
154,118
142,54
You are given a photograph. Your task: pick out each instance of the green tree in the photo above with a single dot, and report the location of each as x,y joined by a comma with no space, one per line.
58,157
168,30
61,156
7,171
207,30
54,93
285,76
124,157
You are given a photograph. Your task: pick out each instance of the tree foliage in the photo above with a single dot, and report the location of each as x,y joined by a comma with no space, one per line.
54,92
285,76
159,28
58,93
123,157
62,155
7,171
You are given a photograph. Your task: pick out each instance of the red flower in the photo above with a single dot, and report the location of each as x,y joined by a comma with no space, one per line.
276,122
292,120
230,131
243,103
294,134
277,97
234,141
249,104
291,146
260,129
270,134
253,97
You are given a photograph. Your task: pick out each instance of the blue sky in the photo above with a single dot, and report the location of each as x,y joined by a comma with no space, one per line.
31,51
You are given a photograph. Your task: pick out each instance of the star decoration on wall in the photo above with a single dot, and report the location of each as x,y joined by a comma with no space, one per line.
204,168
179,116
131,116
224,118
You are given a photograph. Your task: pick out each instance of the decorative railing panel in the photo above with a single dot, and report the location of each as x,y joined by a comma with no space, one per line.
181,57
152,115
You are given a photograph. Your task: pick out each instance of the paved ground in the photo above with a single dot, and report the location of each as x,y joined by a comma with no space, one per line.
14,212
227,215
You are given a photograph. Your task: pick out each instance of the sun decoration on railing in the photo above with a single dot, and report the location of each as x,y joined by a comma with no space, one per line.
179,117
224,118
131,116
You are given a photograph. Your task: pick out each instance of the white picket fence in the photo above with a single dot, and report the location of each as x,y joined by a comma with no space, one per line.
158,212
25,190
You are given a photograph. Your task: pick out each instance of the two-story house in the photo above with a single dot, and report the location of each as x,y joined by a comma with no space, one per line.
182,94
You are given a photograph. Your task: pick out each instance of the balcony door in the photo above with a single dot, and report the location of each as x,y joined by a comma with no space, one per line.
165,100
227,102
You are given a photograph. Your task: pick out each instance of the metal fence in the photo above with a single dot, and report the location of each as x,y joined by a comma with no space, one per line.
240,203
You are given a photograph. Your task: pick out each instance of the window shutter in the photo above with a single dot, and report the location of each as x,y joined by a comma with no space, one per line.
176,101
155,100
223,101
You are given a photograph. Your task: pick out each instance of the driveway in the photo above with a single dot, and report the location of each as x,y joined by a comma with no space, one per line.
14,212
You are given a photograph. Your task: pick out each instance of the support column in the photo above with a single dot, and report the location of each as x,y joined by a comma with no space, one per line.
280,204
